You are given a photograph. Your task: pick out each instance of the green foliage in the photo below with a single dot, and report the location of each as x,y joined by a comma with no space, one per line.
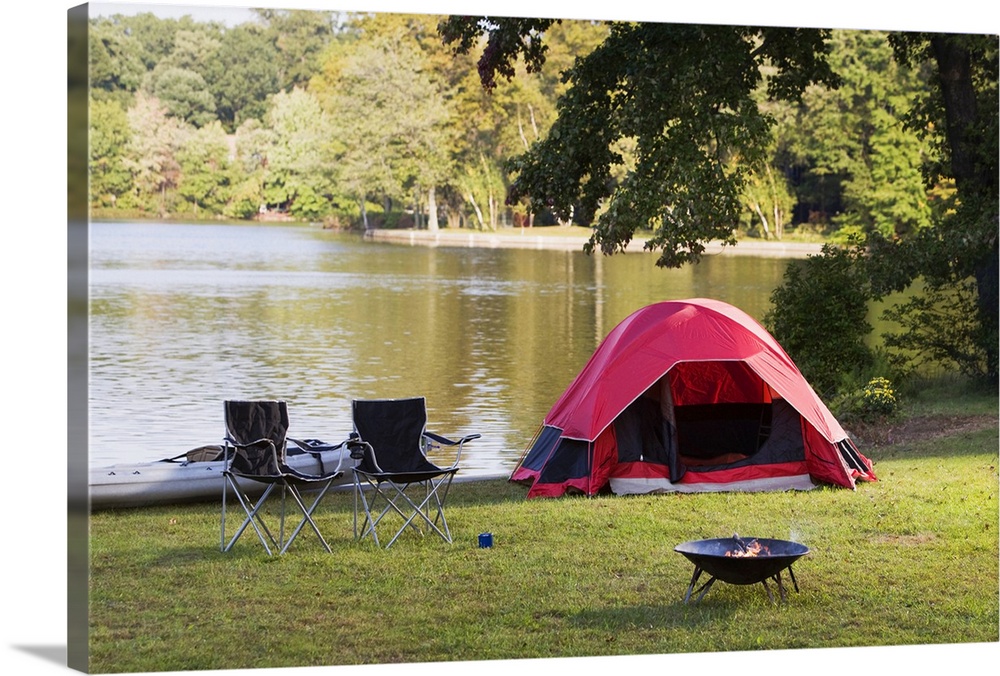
940,327
115,63
507,39
309,206
689,133
245,199
185,95
876,402
768,203
109,136
297,154
856,163
299,36
684,93
381,95
151,155
242,74
818,316
688,96
205,172
961,118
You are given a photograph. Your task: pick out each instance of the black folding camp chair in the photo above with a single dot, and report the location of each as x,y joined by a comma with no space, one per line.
255,458
394,477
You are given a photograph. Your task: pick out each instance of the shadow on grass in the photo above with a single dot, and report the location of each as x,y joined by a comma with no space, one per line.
977,437
676,615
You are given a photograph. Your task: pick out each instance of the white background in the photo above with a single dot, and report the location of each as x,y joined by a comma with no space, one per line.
33,216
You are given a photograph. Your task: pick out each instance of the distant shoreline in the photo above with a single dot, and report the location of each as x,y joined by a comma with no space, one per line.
526,238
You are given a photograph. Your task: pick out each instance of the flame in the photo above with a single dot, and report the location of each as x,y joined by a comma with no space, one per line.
753,549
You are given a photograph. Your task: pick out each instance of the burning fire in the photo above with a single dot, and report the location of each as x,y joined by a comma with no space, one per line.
753,549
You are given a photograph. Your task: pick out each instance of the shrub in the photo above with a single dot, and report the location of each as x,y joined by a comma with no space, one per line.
941,327
818,316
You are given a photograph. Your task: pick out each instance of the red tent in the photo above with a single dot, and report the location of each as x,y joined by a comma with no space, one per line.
690,395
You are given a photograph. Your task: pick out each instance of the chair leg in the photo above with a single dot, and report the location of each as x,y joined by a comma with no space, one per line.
397,497
432,491
368,525
253,519
306,516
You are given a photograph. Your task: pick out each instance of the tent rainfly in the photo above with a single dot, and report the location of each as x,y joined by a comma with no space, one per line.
689,395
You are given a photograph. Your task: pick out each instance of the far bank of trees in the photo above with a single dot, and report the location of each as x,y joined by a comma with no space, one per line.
361,120
352,120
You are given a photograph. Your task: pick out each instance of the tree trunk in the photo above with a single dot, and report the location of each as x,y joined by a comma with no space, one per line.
778,225
955,74
479,213
492,203
974,184
432,210
763,220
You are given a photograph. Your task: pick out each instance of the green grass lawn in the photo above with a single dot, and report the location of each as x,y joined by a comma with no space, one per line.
910,559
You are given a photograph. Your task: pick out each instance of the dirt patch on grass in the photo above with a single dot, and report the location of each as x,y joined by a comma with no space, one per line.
919,428
906,540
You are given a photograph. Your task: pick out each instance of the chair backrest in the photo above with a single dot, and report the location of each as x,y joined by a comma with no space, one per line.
394,428
250,422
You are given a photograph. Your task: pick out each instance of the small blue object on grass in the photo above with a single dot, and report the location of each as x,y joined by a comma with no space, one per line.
485,540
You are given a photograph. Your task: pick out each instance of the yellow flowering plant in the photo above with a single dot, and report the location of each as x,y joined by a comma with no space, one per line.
879,398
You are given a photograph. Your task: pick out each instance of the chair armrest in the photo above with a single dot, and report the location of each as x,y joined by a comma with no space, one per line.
232,442
313,445
448,442
445,441
359,449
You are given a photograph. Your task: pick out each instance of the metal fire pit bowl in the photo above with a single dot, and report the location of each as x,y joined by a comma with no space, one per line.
725,559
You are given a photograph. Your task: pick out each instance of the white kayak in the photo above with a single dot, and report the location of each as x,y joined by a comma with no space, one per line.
191,478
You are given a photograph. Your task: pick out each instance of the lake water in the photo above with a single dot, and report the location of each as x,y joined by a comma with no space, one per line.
184,316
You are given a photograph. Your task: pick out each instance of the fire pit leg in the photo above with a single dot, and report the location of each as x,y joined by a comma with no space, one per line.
768,590
694,580
781,587
794,583
703,589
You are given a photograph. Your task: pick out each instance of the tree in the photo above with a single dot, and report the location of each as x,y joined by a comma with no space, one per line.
384,100
242,74
155,36
109,136
818,316
184,93
178,79
151,155
203,158
960,116
853,140
300,36
253,141
298,156
683,92
193,48
768,202
115,66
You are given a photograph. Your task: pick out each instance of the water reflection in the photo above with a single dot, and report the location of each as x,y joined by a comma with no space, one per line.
185,316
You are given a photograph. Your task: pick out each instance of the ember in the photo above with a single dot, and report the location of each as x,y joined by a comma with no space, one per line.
753,549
